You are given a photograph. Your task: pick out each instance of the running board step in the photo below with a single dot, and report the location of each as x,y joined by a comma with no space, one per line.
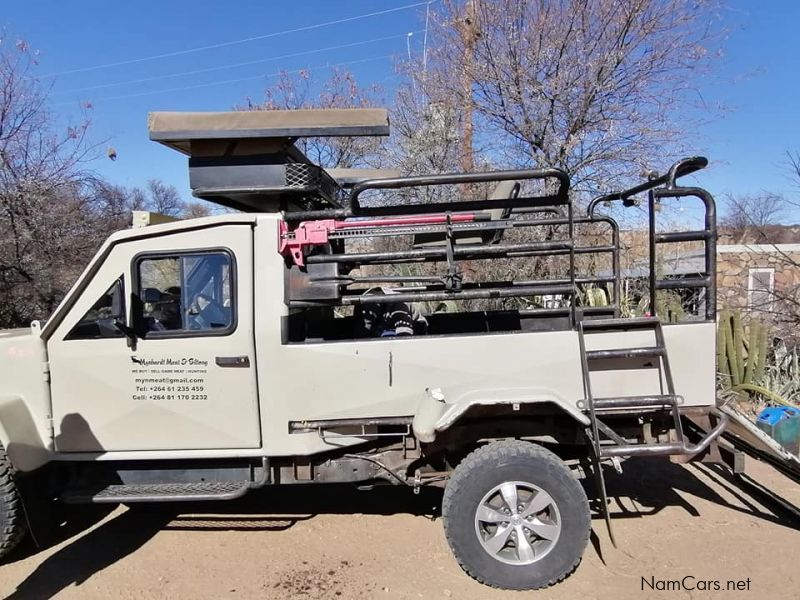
622,353
159,492
637,401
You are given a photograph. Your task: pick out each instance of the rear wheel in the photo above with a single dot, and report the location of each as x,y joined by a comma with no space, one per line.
12,520
515,517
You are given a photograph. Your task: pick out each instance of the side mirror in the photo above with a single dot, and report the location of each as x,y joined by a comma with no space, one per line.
127,332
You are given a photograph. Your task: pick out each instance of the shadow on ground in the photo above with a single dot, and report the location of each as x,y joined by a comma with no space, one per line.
650,485
266,509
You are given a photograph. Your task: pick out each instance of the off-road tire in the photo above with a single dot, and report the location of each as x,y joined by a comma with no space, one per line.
12,519
515,461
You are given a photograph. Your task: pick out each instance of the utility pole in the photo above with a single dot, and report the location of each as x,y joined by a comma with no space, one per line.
468,30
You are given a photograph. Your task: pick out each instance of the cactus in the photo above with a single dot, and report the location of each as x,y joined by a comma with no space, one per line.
731,359
752,351
761,357
742,356
738,345
722,356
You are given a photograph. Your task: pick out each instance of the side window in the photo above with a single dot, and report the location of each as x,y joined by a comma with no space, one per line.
185,293
101,320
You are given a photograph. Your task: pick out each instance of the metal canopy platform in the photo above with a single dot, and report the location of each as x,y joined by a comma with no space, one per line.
180,130
248,160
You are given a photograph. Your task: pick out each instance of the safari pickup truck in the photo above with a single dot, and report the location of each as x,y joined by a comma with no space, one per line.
331,326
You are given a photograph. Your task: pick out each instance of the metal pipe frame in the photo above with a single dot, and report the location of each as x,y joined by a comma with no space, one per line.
543,248
527,205
354,209
491,285
676,448
655,193
471,294
560,197
681,168
463,252
708,280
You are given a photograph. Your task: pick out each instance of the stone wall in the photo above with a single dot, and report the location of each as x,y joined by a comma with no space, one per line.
733,278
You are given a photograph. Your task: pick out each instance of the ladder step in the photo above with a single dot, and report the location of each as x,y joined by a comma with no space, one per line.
158,492
636,401
686,282
616,353
595,325
683,236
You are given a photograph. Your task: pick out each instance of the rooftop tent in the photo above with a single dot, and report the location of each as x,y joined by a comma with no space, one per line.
248,160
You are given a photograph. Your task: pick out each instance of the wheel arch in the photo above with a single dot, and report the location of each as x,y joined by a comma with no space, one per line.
435,415
23,444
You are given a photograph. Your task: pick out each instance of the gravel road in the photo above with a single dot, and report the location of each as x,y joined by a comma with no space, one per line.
671,522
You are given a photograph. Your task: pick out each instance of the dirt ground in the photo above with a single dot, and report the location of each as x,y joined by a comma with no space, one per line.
670,522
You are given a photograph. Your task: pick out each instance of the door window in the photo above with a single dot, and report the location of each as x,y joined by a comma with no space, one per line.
189,294
104,318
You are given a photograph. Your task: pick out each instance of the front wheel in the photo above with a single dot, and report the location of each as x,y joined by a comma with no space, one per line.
515,517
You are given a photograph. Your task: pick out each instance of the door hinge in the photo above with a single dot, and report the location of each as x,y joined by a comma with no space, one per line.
46,372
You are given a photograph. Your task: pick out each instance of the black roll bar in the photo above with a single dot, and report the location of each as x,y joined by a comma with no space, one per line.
681,168
708,279
662,187
354,209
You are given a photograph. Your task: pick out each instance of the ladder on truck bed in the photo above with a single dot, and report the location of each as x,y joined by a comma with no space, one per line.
628,358
604,441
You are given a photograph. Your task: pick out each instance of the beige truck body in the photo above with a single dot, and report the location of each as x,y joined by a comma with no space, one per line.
101,399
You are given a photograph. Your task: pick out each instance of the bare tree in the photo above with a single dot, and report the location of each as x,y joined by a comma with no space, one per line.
112,204
764,276
593,87
748,216
165,199
54,212
42,201
340,90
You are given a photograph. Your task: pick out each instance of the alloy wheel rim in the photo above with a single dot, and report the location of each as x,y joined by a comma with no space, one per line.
517,523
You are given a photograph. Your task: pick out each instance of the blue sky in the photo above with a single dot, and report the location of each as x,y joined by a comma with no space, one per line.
757,78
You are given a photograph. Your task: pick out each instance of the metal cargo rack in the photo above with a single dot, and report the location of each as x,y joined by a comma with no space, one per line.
249,161
320,262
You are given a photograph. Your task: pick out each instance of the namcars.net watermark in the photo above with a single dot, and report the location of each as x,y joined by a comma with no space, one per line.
690,583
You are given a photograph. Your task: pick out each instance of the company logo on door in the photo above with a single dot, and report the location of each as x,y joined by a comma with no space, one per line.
169,378
169,362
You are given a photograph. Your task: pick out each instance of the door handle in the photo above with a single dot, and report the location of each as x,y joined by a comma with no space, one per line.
241,362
